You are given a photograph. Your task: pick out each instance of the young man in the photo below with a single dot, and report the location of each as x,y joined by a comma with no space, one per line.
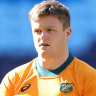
55,72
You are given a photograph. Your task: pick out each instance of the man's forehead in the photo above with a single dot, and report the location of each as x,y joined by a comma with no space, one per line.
43,24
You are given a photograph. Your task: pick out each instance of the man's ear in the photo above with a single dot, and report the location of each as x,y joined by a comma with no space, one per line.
68,32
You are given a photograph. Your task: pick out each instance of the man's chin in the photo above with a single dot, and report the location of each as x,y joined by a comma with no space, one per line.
45,54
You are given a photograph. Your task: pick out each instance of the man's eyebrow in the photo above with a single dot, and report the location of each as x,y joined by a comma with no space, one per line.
51,27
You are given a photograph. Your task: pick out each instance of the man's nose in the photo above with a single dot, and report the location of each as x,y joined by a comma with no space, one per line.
44,34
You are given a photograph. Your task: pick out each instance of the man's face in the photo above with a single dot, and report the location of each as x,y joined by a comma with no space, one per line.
49,37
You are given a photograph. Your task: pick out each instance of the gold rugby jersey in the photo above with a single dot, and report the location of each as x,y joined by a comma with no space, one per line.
73,78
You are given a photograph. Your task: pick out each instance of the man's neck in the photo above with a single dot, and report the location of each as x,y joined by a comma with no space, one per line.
53,63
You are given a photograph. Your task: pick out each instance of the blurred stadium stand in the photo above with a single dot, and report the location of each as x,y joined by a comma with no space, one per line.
16,42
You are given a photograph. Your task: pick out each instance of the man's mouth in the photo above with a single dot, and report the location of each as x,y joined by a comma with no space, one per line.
44,44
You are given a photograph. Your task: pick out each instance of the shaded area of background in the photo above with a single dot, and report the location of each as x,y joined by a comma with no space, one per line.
16,42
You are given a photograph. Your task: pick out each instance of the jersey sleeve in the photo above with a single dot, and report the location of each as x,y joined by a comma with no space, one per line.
85,78
88,76
7,85
12,79
89,81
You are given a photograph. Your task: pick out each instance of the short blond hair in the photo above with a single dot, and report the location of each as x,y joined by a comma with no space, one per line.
54,8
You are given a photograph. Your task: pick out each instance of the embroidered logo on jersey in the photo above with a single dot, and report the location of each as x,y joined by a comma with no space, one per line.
66,87
24,88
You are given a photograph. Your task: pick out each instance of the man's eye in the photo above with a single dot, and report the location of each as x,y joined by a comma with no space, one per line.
50,30
37,31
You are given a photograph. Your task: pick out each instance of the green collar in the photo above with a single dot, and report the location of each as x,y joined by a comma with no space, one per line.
52,73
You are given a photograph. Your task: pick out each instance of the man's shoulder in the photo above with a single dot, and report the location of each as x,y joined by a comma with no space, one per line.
16,77
82,64
18,71
83,67
21,68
